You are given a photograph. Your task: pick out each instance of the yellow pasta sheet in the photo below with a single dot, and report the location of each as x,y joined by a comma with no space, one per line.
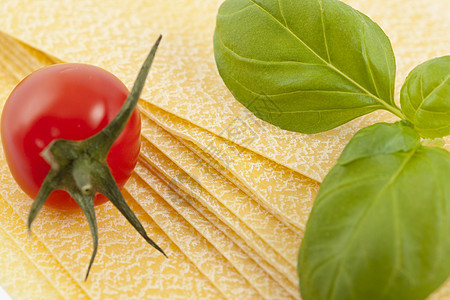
33,285
269,228
282,191
186,183
29,270
200,252
216,231
209,247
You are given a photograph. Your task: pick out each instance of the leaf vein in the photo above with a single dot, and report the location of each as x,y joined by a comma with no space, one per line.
366,56
323,31
388,66
281,12
264,61
324,110
398,245
429,94
302,111
317,91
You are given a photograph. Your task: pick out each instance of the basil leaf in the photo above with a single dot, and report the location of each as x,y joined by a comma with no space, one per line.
425,97
305,66
380,225
386,139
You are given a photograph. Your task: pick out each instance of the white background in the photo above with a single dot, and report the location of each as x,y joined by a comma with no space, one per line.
4,295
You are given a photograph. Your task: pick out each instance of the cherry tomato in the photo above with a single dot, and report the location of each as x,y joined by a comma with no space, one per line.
68,101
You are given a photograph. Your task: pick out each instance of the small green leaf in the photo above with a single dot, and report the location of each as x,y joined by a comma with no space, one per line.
380,225
382,138
305,66
425,97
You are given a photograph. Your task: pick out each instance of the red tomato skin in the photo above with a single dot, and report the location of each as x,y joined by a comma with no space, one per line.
65,101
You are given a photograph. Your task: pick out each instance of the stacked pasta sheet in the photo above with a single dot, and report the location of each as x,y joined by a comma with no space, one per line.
226,195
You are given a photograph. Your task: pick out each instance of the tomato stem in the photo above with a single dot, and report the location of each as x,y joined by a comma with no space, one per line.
80,167
105,138
82,176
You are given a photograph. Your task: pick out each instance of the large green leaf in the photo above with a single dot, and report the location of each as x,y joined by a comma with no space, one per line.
305,66
380,225
425,97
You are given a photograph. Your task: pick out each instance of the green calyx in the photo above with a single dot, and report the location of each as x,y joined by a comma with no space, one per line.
80,167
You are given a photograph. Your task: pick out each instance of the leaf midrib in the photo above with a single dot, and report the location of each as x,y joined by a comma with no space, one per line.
331,66
305,91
